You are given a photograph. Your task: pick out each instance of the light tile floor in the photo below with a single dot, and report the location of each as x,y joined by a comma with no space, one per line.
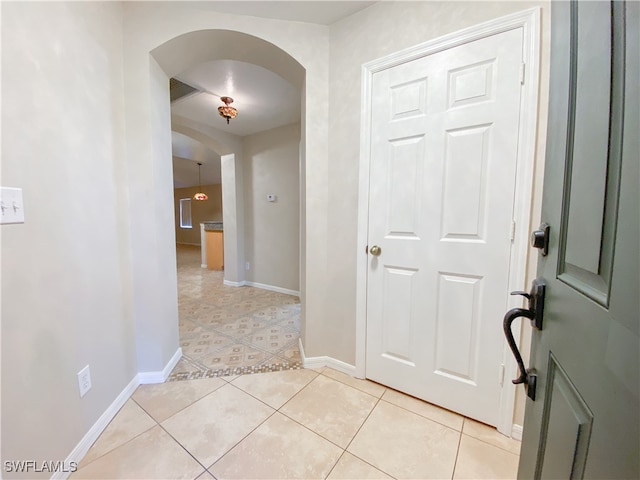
231,330
291,423
294,424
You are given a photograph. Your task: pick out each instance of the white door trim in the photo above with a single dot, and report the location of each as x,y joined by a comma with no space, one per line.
529,21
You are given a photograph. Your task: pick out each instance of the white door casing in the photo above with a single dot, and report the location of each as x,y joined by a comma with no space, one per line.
445,252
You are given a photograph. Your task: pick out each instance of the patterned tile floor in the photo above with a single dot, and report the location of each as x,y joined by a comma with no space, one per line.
231,330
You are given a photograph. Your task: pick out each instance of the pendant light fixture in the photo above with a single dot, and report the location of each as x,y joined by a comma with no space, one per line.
226,111
200,195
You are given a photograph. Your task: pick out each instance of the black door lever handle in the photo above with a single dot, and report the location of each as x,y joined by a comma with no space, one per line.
528,377
534,313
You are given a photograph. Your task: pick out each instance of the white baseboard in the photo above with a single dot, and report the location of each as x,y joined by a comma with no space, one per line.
145,378
263,286
324,361
273,288
203,265
516,432
78,453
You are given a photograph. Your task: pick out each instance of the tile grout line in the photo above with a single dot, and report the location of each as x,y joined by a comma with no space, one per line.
185,449
185,407
356,434
262,401
171,436
491,444
423,416
301,424
344,449
122,444
336,464
455,462
359,389
243,438
159,424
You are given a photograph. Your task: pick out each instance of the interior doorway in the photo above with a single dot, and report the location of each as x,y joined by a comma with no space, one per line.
249,222
422,323
442,184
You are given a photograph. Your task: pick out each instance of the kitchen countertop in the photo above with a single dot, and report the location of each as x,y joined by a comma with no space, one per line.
213,226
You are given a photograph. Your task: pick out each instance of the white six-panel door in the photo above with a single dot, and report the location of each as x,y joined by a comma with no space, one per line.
444,140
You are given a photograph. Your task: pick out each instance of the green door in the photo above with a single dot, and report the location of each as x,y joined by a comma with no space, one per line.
584,422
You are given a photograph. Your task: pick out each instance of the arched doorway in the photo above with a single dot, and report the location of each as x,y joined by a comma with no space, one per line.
204,47
150,228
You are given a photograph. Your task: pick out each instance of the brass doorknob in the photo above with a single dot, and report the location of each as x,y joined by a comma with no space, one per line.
375,250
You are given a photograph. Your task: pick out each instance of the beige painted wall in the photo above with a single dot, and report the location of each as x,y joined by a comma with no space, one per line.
201,211
148,26
272,229
66,272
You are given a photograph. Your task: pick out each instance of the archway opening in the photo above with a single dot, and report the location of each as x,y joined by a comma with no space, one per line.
237,156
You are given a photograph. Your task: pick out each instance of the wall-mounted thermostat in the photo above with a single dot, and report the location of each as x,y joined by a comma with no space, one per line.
271,197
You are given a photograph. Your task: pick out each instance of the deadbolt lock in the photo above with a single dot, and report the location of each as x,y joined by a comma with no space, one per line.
540,239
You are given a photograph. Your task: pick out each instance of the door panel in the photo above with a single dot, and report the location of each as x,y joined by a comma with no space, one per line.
567,425
471,84
457,327
585,421
590,127
594,122
444,138
398,317
465,180
403,171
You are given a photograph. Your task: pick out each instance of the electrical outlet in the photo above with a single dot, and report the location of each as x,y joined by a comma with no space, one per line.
84,381
247,266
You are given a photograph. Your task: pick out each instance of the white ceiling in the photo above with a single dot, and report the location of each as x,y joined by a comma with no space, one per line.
323,12
264,100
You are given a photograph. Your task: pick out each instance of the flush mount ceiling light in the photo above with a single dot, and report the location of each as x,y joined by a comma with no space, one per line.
200,195
226,111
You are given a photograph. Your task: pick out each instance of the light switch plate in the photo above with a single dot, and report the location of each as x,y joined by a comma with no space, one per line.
12,205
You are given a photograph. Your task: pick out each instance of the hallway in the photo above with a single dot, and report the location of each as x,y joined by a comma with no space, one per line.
231,330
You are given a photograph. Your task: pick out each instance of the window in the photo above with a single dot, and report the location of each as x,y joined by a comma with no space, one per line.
185,213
